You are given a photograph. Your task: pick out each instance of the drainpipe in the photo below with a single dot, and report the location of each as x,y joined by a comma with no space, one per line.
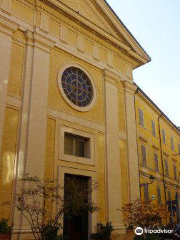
162,162
137,137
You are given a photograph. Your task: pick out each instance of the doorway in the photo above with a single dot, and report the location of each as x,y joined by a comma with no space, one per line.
77,227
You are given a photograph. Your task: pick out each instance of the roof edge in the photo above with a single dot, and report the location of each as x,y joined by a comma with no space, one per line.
139,45
153,103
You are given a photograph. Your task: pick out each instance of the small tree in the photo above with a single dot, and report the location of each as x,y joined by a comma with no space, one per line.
143,214
36,198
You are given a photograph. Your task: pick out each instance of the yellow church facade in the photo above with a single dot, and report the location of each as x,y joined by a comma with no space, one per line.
69,106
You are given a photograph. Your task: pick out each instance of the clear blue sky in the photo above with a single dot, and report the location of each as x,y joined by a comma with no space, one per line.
156,26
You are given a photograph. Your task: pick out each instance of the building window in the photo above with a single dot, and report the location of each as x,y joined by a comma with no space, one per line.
159,195
163,136
166,167
172,143
75,145
176,196
143,152
77,86
141,118
178,148
146,193
156,162
175,172
153,128
169,195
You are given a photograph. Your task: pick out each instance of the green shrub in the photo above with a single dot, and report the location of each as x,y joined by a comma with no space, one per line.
104,231
5,228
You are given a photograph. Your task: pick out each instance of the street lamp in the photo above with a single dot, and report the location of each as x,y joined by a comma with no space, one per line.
151,178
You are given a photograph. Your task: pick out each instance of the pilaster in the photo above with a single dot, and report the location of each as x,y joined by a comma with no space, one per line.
36,140
6,31
113,176
32,136
130,89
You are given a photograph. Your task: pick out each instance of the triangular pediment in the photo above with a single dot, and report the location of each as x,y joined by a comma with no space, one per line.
99,13
87,9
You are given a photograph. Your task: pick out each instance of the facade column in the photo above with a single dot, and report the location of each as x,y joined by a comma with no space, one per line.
6,31
113,176
32,136
130,89
36,139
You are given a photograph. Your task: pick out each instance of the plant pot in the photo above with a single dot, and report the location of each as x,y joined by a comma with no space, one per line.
129,231
5,236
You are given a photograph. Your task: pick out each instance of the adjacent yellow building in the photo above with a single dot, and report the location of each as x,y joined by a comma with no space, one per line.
159,153
69,106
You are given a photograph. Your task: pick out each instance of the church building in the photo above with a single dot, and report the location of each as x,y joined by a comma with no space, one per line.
67,103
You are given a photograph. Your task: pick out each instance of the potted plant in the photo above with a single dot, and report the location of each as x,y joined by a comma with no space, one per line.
5,230
104,231
129,229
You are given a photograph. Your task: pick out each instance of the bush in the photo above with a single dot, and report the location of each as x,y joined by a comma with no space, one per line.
50,231
104,231
5,228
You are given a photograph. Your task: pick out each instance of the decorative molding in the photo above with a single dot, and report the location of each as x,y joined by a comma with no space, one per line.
75,119
155,147
140,58
174,160
85,56
80,43
143,139
111,77
96,51
165,154
44,22
129,71
42,42
7,26
130,87
6,5
110,59
63,33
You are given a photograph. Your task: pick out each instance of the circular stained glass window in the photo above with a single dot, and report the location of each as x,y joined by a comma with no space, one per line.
77,86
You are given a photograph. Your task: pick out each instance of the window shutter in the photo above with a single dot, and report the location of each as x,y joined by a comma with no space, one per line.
164,136
141,118
175,172
146,193
153,128
156,162
166,168
143,150
159,195
172,144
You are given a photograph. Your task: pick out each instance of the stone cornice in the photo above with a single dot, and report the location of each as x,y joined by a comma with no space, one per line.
121,28
111,77
39,41
8,27
60,7
130,87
